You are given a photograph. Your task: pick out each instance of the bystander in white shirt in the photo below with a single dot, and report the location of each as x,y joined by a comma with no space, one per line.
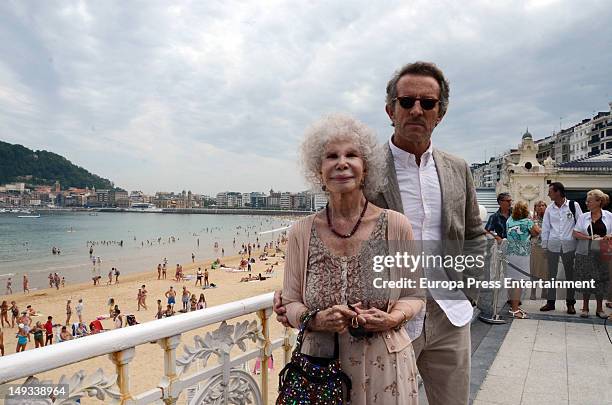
557,227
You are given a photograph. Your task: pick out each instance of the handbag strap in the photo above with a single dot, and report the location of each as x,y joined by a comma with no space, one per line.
304,324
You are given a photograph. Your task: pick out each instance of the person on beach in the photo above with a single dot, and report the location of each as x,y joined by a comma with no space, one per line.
31,311
22,339
56,281
9,286
111,307
79,309
192,258
117,273
14,313
49,331
50,280
160,310
65,334
193,303
68,312
110,276
143,294
206,283
81,330
4,313
63,281
177,273
26,321
26,284
118,321
139,298
38,331
171,296
201,302
164,269
159,270
185,298
329,268
1,342
199,276
169,311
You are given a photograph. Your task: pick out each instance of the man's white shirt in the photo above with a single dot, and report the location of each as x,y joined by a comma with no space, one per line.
557,227
419,187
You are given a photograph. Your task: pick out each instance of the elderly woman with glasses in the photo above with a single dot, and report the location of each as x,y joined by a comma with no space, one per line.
593,229
329,267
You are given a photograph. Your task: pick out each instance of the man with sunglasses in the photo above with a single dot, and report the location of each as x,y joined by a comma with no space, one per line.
436,192
496,225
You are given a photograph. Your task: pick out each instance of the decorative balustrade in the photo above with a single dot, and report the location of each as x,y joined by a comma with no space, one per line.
224,383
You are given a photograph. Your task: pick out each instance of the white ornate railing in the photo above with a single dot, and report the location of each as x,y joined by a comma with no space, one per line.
225,383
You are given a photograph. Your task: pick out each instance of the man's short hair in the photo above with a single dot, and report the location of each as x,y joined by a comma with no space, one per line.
501,196
558,186
423,69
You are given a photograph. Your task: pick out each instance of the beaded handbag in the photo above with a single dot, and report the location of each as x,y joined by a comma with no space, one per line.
316,381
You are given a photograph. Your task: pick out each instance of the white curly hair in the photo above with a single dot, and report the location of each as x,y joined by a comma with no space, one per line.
335,127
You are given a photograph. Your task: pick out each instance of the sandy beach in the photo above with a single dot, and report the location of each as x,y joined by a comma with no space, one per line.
147,367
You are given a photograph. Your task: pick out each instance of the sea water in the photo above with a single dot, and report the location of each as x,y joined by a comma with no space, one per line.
26,243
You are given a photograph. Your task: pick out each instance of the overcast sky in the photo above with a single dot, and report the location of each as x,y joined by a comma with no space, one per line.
213,96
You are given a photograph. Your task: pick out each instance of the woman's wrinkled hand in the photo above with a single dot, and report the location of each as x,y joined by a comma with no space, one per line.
334,319
375,320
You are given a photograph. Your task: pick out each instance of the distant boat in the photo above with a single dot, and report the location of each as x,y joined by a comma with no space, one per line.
28,216
143,207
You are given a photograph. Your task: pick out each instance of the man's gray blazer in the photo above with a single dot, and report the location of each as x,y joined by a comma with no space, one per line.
460,213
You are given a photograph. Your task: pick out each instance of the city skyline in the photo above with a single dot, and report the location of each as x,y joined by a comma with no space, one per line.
156,97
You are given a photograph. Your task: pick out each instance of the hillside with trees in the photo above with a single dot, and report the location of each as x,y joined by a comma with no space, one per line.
20,164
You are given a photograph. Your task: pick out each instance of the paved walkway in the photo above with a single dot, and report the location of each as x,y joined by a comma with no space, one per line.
550,359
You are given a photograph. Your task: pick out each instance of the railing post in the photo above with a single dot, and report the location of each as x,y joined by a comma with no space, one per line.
266,352
287,346
169,345
122,360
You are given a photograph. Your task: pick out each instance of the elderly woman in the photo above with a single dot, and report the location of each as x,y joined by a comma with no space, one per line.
539,261
518,229
591,228
329,267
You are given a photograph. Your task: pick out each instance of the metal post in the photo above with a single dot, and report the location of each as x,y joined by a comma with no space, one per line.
264,316
169,345
122,360
498,259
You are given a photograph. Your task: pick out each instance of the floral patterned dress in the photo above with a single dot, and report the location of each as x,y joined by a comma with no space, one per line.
377,376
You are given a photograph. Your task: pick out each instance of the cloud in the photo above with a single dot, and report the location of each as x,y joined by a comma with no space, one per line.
214,96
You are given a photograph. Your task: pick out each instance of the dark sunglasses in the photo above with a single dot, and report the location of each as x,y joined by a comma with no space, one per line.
408,102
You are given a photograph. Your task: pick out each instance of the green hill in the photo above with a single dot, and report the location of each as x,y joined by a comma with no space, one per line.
20,164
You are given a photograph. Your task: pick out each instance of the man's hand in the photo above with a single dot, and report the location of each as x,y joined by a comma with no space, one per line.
280,310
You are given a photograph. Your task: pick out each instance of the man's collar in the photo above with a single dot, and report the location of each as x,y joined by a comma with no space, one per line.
406,158
565,202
